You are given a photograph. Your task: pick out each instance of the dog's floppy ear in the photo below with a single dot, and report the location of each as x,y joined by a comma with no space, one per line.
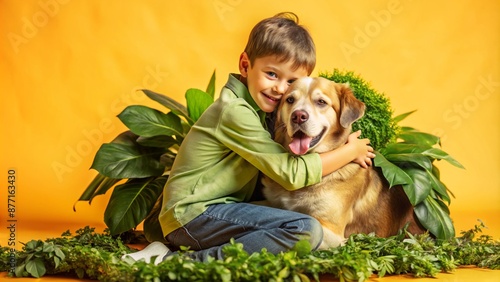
351,109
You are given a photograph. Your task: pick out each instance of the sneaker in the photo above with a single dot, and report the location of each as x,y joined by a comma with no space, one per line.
155,249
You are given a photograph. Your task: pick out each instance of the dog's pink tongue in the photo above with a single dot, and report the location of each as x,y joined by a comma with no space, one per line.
300,144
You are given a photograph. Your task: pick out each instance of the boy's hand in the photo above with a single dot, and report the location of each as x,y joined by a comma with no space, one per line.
363,152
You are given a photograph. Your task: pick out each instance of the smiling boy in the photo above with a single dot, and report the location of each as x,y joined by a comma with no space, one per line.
206,198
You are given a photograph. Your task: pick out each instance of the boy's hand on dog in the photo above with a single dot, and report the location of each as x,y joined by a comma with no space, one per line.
362,150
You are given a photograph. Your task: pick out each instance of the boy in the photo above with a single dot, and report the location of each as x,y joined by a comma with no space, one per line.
205,200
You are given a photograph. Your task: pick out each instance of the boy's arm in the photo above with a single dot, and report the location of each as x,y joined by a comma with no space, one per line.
355,150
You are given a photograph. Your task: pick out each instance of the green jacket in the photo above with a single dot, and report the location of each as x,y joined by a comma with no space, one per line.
221,156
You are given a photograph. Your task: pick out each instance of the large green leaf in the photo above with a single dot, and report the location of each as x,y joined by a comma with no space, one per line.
391,172
146,122
404,148
197,102
101,183
167,159
439,154
439,187
128,161
407,128
36,268
104,187
401,117
131,202
176,107
99,186
434,216
88,194
159,141
405,159
152,227
417,137
211,86
126,138
420,187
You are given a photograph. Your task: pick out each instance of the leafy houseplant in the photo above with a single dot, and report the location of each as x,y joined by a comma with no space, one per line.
142,157
137,162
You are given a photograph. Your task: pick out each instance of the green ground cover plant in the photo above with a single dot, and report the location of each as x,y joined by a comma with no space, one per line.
92,255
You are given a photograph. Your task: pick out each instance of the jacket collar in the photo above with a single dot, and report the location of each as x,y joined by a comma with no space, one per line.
241,91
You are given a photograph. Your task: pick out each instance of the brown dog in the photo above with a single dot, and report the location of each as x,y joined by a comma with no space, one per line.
315,115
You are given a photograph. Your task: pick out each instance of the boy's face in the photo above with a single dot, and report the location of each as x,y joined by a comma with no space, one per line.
268,79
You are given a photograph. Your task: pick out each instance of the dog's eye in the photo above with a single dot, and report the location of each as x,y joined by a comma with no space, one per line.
322,102
290,100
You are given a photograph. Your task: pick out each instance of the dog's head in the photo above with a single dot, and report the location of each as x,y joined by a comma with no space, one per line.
315,115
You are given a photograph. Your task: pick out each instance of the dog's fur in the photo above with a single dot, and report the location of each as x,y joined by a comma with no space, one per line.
352,199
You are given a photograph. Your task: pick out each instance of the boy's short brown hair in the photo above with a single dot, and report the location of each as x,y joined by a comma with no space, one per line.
282,36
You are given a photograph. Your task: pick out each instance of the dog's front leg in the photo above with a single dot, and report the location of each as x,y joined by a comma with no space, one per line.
332,237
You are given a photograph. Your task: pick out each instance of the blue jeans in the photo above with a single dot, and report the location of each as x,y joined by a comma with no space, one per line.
254,226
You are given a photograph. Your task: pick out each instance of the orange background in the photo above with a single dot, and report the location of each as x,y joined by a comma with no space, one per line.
69,67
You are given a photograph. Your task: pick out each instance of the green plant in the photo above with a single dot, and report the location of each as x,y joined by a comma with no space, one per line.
410,162
137,162
85,254
35,253
143,157
97,256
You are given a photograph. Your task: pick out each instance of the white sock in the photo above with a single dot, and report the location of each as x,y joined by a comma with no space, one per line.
155,249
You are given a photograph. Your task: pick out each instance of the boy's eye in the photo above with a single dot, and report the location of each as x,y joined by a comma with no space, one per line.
290,81
272,74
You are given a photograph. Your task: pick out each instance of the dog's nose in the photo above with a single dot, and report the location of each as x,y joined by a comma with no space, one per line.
299,116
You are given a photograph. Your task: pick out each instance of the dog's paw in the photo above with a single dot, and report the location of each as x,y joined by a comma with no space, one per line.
331,240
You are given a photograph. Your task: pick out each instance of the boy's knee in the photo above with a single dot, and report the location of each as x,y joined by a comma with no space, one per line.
315,232
307,228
